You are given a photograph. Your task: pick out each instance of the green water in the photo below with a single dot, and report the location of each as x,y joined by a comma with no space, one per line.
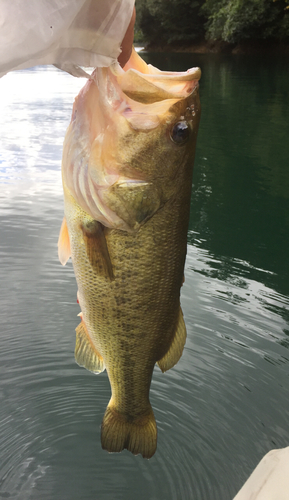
240,202
226,402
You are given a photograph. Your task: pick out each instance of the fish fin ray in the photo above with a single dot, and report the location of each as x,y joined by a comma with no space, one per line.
176,348
85,353
96,248
64,251
139,436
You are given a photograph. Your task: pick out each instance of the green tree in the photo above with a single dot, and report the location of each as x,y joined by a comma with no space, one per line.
170,21
162,22
236,20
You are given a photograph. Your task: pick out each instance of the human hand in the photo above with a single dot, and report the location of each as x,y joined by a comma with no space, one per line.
126,44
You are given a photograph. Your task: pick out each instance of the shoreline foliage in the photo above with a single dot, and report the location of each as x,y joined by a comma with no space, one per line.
179,22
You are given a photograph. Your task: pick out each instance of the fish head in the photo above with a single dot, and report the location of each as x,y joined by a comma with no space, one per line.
132,128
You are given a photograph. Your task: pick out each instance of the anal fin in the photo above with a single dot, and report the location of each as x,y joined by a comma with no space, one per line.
96,248
85,353
177,346
64,251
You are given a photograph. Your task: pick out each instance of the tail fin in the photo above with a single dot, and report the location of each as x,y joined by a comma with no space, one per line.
137,435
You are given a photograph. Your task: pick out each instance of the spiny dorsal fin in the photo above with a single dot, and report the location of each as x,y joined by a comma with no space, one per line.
64,251
96,247
177,346
85,353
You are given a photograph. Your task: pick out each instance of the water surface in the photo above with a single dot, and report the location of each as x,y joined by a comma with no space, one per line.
226,402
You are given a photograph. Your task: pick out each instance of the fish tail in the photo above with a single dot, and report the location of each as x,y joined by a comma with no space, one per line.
138,435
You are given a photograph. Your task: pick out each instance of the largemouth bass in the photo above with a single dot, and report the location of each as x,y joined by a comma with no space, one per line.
127,174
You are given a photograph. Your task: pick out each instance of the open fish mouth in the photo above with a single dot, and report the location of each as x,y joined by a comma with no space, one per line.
142,93
157,85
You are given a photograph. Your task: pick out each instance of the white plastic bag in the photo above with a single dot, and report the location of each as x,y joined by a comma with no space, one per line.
67,33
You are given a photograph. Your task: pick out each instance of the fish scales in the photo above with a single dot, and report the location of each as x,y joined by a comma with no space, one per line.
130,271
134,324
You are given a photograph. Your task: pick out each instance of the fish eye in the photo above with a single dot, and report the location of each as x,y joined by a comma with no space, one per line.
180,133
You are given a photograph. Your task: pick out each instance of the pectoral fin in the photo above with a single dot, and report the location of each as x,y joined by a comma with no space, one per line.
133,201
177,346
85,353
64,251
96,247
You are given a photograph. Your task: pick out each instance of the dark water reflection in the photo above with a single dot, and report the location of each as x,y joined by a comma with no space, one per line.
226,403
